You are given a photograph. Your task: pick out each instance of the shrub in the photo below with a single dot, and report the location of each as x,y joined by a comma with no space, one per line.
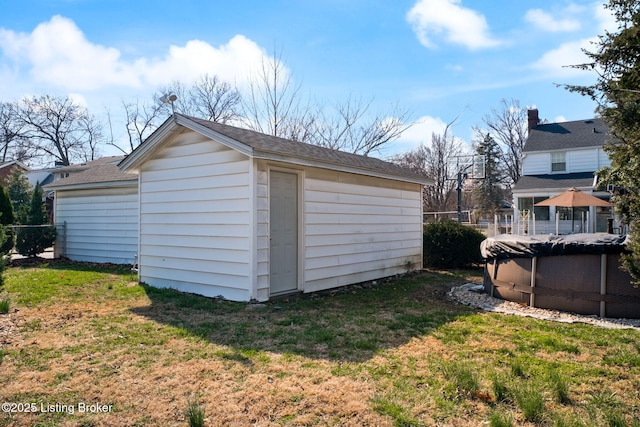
8,239
3,266
447,244
6,218
30,241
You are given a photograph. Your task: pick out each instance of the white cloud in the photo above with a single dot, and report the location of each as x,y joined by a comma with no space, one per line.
231,62
606,19
449,20
556,62
422,129
547,22
57,53
419,133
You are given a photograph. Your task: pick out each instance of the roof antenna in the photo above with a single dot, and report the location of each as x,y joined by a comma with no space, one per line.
169,99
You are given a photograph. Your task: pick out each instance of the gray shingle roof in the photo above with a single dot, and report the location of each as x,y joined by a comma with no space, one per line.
567,135
102,172
544,182
271,144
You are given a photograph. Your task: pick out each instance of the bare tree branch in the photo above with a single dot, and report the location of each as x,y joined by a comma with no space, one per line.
60,129
432,160
208,97
508,126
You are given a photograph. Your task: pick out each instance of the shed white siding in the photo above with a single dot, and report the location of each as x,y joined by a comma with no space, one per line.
101,224
358,228
196,222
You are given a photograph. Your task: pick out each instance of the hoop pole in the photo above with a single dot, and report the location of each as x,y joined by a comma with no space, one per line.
459,197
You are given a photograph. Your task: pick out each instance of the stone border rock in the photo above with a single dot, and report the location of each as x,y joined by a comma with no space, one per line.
473,295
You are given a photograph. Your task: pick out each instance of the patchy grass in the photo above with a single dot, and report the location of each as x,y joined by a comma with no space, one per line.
398,353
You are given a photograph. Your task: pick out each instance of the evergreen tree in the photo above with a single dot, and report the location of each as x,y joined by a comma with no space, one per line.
20,194
32,240
6,220
617,92
487,193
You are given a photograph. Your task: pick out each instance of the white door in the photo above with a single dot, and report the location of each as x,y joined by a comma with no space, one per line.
283,231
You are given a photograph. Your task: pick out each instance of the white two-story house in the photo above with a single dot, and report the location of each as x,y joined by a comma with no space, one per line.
558,156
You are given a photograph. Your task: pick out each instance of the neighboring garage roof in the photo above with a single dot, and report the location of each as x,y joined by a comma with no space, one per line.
101,174
560,136
558,181
259,145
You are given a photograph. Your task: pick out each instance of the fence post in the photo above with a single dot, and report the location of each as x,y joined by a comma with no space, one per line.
534,223
60,245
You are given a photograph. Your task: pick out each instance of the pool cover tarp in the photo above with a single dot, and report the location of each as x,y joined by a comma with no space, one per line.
512,246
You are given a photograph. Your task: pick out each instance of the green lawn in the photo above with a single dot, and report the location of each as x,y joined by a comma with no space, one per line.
395,353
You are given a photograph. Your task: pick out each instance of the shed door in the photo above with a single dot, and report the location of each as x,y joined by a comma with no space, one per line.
283,230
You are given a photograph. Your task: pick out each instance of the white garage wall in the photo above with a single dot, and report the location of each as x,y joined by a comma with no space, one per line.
195,222
101,224
359,228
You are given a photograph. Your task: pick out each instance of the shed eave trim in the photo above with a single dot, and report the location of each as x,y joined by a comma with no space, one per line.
266,155
95,185
216,136
143,151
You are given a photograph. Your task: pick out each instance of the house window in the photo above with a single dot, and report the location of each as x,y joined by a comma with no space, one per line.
558,162
527,203
542,212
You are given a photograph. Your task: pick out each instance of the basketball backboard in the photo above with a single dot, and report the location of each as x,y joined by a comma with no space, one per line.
473,165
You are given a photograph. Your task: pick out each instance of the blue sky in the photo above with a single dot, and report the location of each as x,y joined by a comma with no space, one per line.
438,59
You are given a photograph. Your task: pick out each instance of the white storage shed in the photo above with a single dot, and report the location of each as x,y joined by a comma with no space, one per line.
96,214
228,212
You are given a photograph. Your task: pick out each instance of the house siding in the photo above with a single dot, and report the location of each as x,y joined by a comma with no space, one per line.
101,225
603,159
358,228
536,164
587,160
582,160
196,219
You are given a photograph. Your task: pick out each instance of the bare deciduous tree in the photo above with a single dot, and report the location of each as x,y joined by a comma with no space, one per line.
432,160
208,98
273,100
141,120
11,133
60,129
508,126
350,128
274,106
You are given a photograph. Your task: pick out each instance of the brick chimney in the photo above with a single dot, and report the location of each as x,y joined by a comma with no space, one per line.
532,118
